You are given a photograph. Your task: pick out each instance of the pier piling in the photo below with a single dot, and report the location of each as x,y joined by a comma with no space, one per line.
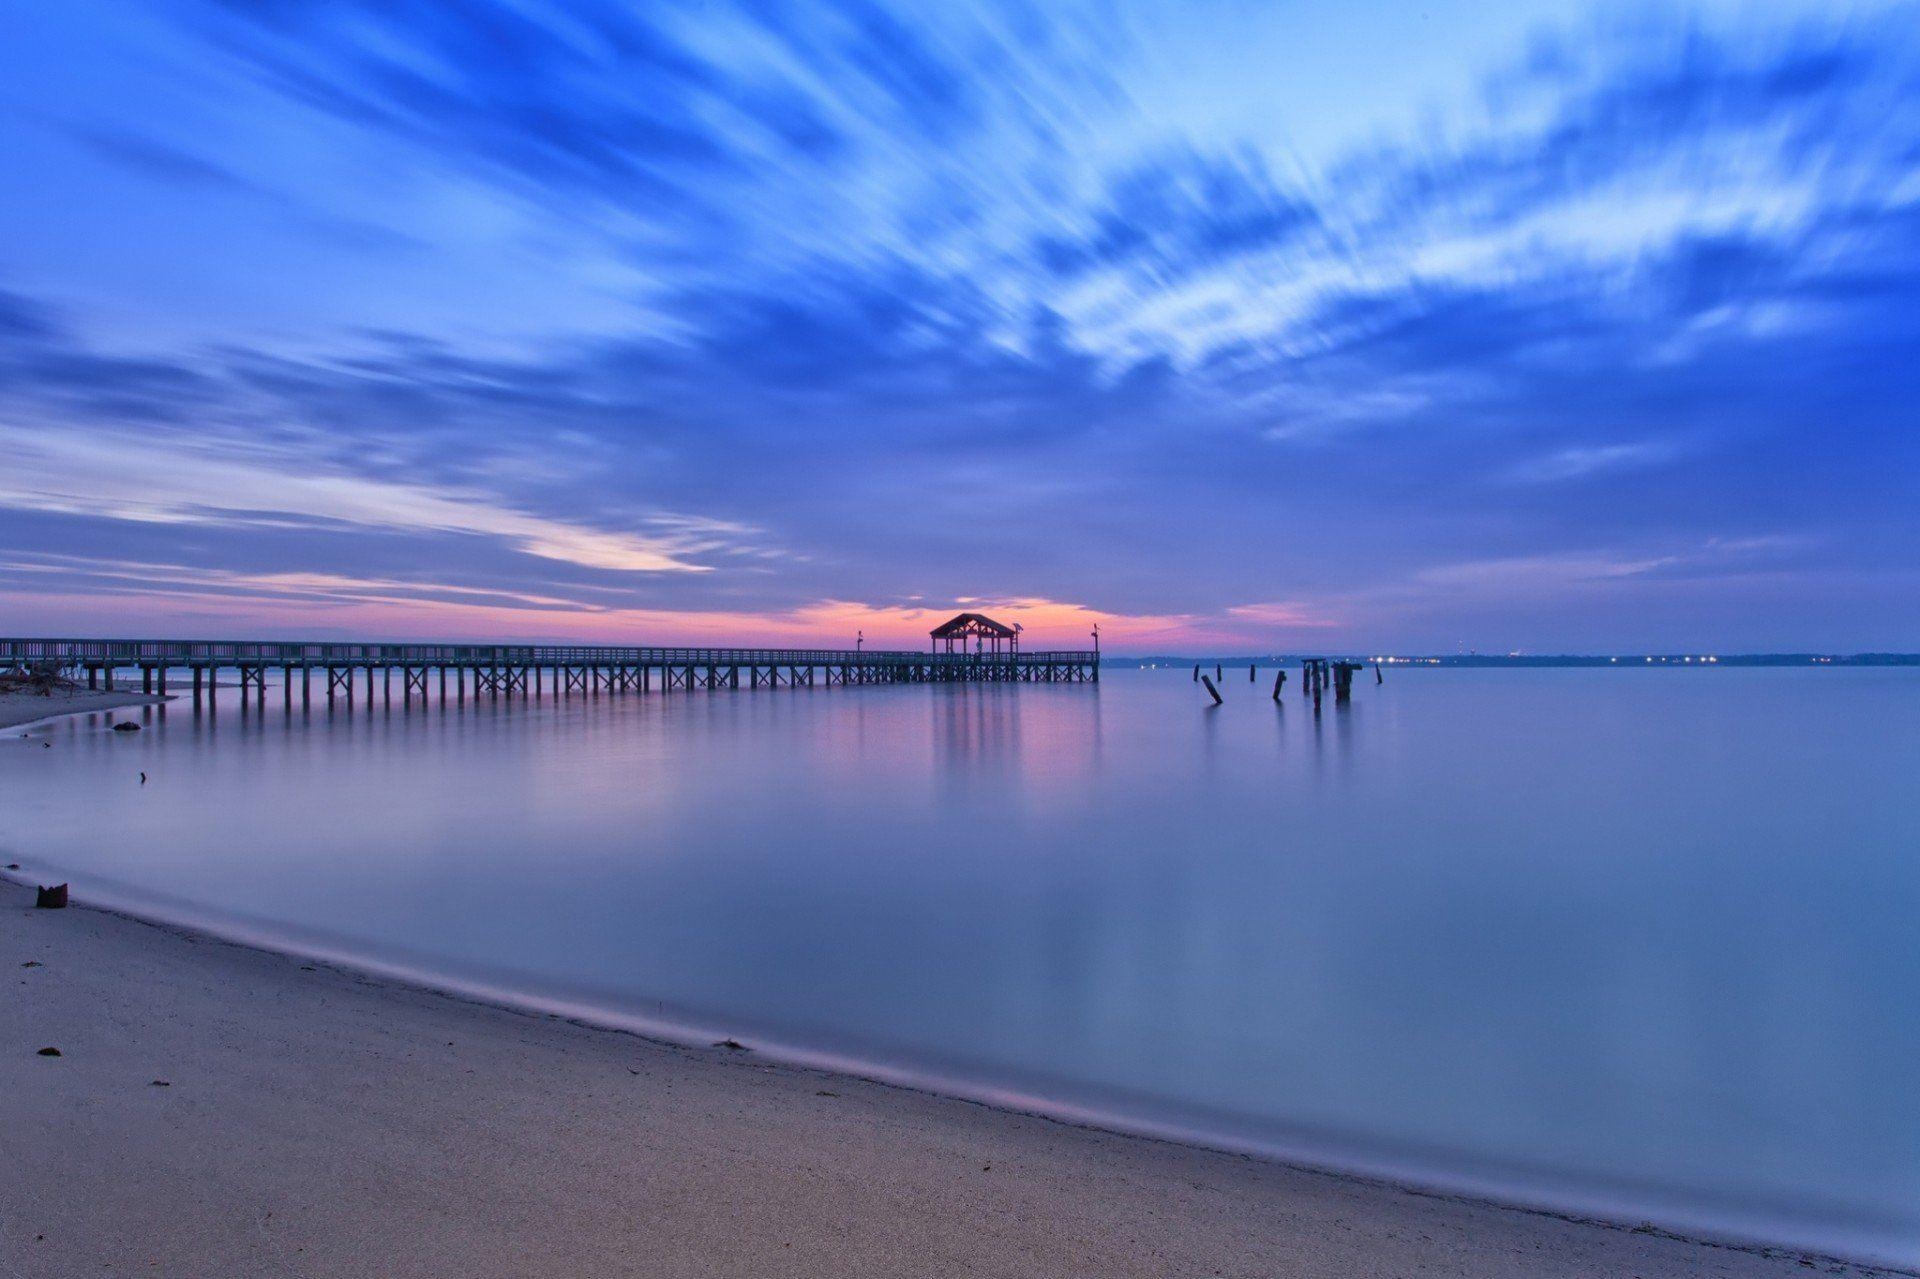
508,669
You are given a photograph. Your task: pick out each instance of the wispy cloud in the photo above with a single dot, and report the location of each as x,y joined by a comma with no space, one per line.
197,483
1580,461
716,311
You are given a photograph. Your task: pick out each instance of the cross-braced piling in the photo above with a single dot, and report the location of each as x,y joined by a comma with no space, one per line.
497,671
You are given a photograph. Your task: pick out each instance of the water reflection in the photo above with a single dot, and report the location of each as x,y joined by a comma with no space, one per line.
1614,938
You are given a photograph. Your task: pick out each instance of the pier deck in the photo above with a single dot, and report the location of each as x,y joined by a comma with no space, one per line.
499,669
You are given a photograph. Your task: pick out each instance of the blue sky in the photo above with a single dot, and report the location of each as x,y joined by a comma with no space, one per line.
1530,326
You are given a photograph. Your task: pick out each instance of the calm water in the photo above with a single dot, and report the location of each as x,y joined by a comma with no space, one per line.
1641,941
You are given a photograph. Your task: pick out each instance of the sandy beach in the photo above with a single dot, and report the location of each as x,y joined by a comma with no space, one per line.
220,1110
28,708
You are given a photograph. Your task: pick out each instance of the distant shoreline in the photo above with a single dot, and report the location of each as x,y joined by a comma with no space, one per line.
1617,661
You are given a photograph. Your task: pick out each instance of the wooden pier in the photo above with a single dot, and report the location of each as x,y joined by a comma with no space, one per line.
334,671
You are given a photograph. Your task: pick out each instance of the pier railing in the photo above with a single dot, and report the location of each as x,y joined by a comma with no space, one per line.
81,652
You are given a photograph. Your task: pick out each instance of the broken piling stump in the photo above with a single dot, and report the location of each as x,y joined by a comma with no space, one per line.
1212,692
54,898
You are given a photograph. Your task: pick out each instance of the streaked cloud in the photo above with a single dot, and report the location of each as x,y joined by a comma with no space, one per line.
198,483
622,317
1579,461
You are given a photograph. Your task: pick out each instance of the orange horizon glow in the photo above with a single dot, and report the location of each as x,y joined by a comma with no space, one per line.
322,609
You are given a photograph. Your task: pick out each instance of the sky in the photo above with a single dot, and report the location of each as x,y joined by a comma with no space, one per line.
1425,327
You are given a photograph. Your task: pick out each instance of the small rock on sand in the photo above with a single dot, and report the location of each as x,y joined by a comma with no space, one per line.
48,1052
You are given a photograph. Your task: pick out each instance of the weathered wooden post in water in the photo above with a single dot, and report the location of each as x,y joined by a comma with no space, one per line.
1212,692
1279,682
1251,676
1343,673
1196,672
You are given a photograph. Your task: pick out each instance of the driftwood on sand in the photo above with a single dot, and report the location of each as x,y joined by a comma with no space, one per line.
43,678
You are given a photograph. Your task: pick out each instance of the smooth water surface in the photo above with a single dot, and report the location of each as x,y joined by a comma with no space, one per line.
1646,942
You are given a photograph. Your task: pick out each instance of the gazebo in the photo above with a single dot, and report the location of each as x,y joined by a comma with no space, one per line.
987,635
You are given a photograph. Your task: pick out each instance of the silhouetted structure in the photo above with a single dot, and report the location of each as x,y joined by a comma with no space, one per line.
986,634
514,670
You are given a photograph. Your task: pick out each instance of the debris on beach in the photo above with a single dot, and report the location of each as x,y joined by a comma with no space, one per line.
54,898
43,678
733,1045
48,1052
161,1083
125,727
31,963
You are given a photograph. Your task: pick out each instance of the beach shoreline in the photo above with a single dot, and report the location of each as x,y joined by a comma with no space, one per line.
240,1033
24,710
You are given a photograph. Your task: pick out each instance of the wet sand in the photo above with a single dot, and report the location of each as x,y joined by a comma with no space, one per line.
315,1121
27,708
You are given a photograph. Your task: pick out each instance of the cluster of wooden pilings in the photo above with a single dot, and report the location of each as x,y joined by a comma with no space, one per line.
1317,675
344,672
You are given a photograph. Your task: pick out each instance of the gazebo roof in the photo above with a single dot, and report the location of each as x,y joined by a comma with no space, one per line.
972,624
